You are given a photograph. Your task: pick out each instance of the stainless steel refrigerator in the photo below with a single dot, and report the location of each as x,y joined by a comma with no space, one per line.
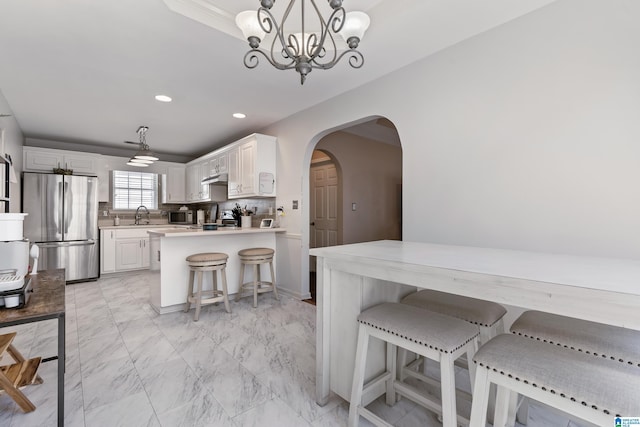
63,222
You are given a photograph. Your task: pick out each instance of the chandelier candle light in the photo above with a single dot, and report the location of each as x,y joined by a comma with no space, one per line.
301,50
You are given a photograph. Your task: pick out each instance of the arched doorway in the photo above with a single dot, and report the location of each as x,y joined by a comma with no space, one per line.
366,182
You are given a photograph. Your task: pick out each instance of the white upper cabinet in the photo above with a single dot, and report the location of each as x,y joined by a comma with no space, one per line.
46,160
174,184
252,167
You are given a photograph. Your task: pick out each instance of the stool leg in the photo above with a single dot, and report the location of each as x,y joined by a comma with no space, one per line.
506,403
273,281
187,306
215,284
255,285
241,288
471,351
196,315
358,375
392,352
480,400
223,273
448,390
522,413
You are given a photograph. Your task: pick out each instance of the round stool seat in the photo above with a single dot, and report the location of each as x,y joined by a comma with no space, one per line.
207,258
256,252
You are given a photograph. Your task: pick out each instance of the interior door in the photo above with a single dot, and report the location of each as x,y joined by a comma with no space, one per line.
324,205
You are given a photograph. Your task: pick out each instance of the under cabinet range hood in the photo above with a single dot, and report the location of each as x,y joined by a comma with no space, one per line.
219,179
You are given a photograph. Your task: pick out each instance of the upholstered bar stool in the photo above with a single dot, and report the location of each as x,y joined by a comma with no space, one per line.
198,264
596,339
595,389
432,335
486,315
256,257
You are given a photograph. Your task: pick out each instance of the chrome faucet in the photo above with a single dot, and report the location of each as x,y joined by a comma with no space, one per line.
138,217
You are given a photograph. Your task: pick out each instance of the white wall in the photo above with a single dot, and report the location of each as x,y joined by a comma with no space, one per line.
13,141
526,137
371,175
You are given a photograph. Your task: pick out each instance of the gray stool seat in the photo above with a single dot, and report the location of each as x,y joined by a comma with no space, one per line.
434,330
591,388
593,338
432,335
476,311
198,264
256,257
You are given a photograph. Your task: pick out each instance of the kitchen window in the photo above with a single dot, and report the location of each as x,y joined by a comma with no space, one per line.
132,189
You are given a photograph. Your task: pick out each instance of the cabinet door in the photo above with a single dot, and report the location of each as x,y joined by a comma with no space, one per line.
247,168
205,172
128,254
107,251
223,163
192,190
233,187
175,185
80,163
41,161
146,252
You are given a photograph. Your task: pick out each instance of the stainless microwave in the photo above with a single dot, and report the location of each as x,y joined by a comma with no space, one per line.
181,217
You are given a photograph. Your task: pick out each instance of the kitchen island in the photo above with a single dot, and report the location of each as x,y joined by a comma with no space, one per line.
169,247
354,277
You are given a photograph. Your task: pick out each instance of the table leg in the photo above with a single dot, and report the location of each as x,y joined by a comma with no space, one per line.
61,369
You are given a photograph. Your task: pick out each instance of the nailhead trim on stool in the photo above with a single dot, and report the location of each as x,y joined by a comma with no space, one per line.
432,335
596,339
591,388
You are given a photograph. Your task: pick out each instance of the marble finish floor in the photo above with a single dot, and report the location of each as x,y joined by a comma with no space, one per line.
128,366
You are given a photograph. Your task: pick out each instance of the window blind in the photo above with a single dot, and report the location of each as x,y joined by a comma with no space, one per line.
132,189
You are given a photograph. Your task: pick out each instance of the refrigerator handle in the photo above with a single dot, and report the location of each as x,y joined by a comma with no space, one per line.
67,244
58,210
68,199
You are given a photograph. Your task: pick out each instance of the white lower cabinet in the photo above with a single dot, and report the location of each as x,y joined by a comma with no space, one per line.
124,250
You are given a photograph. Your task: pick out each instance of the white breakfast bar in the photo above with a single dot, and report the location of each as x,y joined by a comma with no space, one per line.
170,247
354,277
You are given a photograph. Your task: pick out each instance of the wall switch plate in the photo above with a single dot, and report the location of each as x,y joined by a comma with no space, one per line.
294,204
353,206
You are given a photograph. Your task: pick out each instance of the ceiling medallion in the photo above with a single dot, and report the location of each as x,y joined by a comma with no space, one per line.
303,51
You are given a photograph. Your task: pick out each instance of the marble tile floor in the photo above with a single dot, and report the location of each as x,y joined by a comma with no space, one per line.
127,366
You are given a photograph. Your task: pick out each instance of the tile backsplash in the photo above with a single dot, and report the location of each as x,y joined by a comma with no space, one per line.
259,207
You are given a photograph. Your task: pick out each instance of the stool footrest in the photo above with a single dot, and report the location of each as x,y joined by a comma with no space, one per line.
22,374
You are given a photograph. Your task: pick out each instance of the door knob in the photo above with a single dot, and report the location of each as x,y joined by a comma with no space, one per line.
313,223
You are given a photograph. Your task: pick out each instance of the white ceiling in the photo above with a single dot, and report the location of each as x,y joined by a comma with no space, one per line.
88,70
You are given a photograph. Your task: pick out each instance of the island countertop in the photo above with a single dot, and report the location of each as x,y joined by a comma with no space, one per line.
197,232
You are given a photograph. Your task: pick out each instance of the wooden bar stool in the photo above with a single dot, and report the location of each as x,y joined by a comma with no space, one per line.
256,257
199,263
432,335
18,375
595,389
596,339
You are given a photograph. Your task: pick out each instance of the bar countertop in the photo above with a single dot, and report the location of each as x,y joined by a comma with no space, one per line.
47,299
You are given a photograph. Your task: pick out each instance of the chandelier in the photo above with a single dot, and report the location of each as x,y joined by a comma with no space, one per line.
302,50
144,157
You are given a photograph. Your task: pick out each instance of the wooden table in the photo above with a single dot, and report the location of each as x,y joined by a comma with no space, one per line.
354,277
47,302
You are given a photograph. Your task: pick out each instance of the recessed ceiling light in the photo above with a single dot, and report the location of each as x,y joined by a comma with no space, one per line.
163,98
239,115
